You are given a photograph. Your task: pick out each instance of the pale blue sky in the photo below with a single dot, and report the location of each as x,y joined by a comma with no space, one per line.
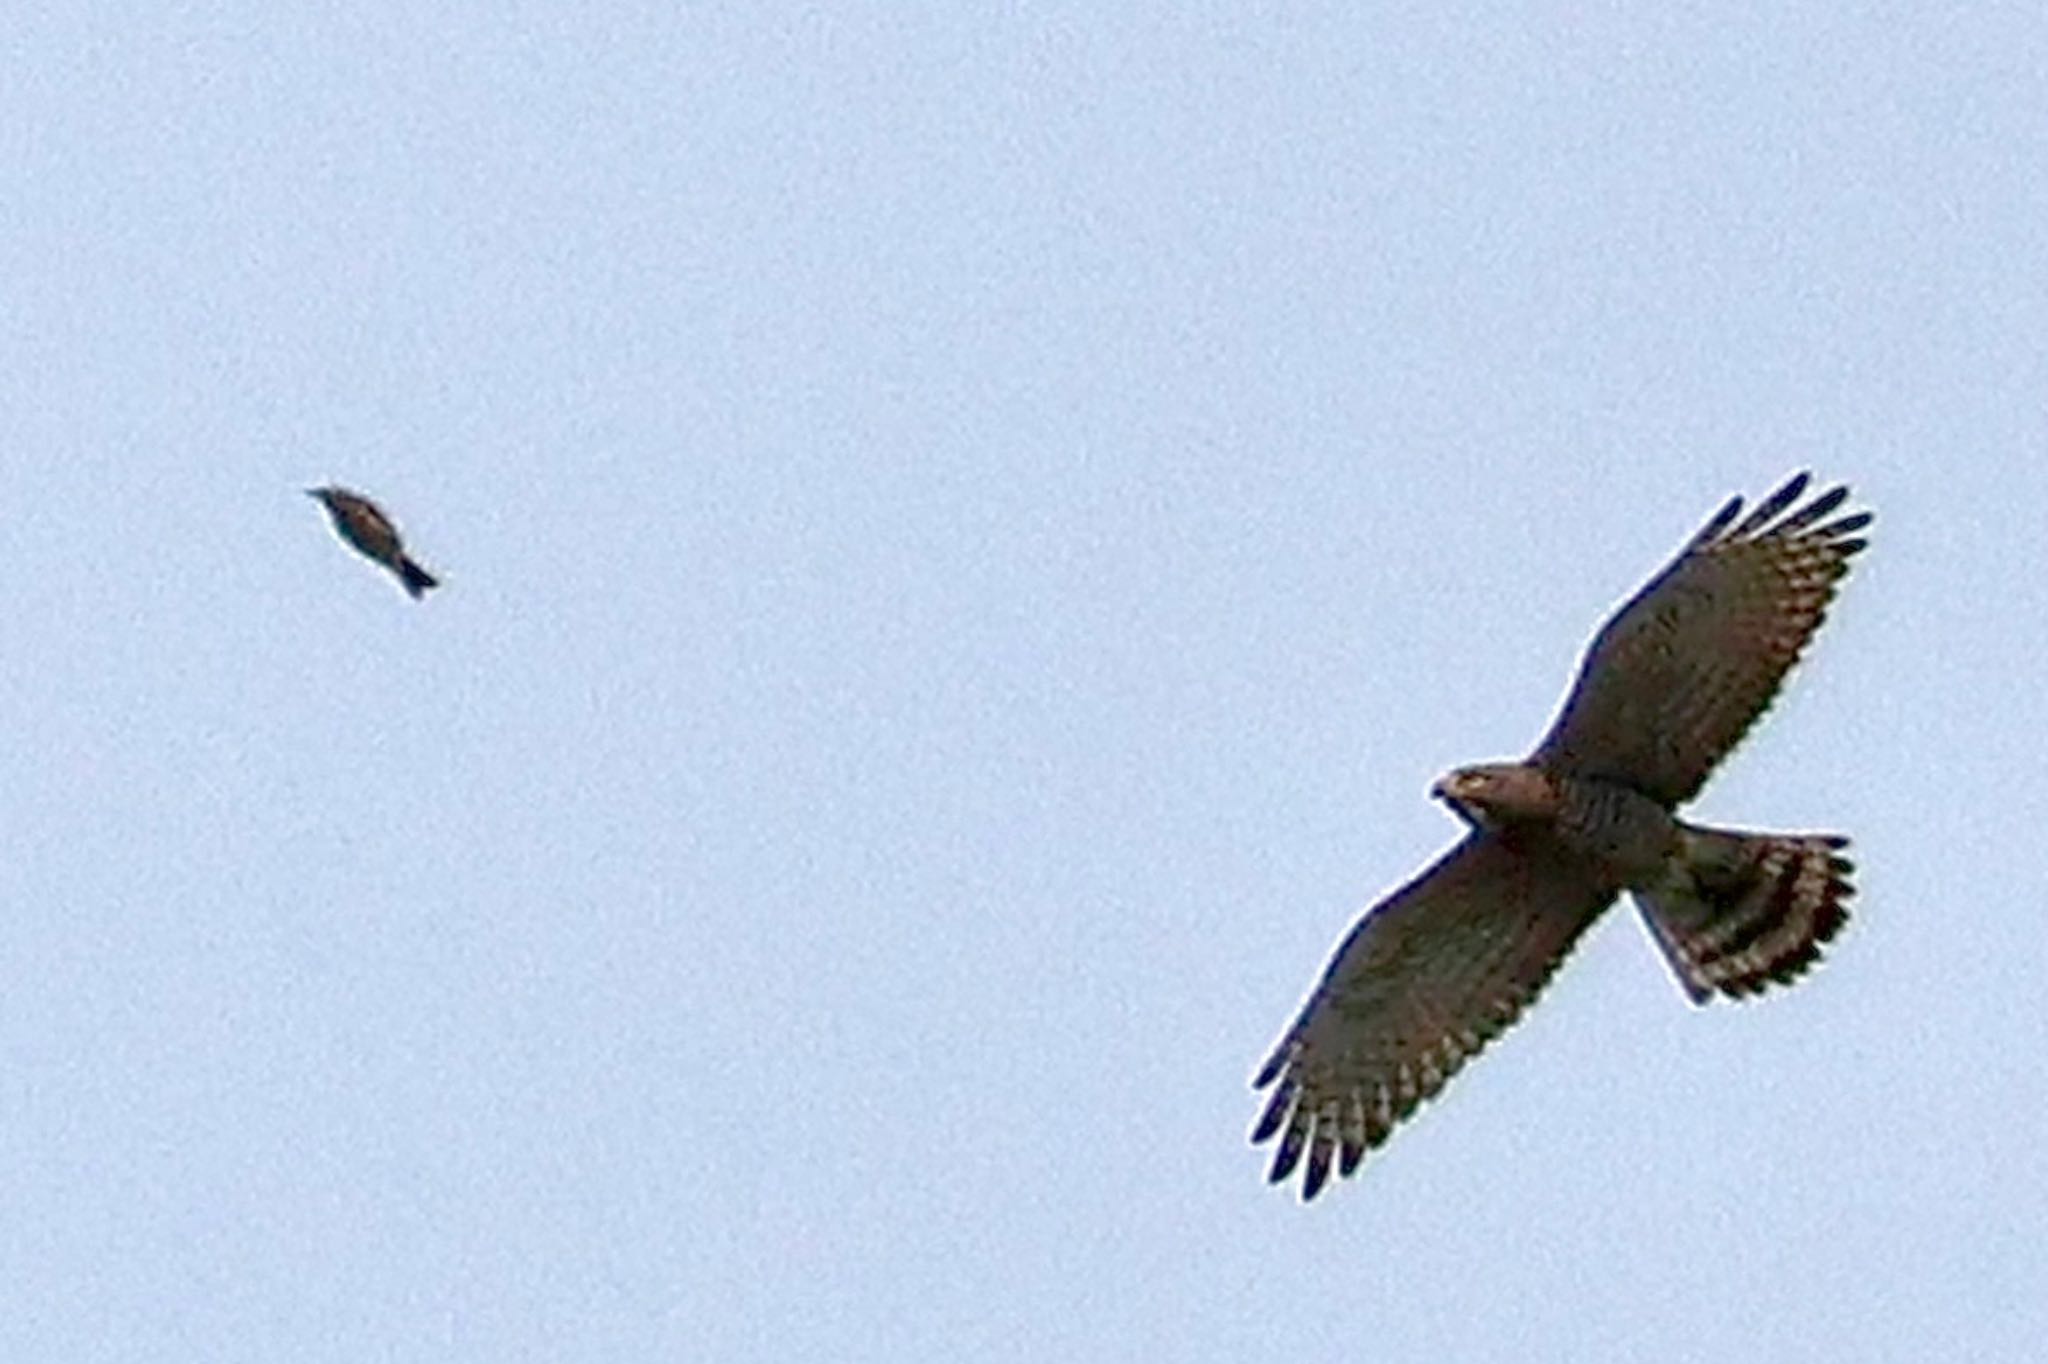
968,532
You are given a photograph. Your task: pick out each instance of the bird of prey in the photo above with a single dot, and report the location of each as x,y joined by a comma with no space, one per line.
1672,682
364,525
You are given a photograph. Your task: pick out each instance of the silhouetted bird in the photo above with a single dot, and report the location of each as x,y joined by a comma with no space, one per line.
364,525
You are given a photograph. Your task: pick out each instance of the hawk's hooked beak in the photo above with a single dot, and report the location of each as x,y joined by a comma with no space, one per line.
1453,789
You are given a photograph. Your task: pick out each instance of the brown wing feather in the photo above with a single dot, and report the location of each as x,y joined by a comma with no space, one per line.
1420,985
1680,673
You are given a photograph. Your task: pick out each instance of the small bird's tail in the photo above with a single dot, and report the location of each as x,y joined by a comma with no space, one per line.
1743,911
416,579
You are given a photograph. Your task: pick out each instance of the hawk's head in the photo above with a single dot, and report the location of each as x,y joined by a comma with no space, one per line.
1491,795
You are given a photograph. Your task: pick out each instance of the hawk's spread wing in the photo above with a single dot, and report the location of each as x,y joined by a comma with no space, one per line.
1681,672
1423,982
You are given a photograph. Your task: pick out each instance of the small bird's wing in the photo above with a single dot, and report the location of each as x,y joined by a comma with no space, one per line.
371,518
1678,675
1422,983
364,524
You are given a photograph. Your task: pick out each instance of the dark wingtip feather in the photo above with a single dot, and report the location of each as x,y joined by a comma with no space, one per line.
1289,1154
1814,510
1318,1168
1271,1069
1772,505
1276,1113
1719,521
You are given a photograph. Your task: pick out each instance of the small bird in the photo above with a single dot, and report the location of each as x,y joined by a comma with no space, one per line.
364,525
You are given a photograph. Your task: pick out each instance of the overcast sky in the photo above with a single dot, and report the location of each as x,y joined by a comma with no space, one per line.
967,533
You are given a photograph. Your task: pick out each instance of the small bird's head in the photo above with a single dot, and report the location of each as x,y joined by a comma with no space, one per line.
1491,795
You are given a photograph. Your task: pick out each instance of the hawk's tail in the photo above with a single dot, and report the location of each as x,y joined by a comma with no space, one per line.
1742,911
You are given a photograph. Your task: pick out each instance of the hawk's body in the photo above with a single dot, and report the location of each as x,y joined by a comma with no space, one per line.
1668,687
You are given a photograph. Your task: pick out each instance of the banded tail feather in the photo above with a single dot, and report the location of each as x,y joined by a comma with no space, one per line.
1746,911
